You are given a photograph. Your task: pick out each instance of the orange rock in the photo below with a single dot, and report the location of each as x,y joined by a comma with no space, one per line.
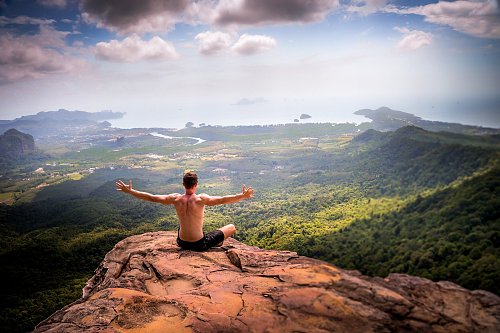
148,284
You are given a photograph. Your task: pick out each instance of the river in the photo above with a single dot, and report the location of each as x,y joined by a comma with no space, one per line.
199,140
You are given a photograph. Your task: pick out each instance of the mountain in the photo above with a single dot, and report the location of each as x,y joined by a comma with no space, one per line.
386,119
66,115
50,123
449,234
447,228
15,144
413,157
147,284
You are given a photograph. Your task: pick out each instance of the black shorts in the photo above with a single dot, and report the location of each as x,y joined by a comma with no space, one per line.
209,240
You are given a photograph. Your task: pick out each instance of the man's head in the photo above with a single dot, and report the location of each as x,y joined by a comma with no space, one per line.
190,180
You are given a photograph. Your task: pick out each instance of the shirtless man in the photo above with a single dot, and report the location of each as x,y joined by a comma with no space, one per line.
190,208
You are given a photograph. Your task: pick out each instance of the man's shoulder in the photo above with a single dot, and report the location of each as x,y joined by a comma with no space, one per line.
203,197
171,198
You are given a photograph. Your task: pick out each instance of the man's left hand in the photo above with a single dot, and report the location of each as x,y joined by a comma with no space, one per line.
247,192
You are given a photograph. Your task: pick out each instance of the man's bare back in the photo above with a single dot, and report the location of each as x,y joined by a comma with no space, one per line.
191,212
190,207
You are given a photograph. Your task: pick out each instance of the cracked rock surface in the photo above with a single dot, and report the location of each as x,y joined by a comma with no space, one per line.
148,284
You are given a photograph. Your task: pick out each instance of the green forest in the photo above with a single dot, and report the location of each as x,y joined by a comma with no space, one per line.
408,201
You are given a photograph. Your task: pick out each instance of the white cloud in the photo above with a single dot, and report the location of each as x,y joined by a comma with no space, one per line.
211,43
476,18
35,56
132,16
24,20
366,7
52,3
249,101
133,49
413,39
201,12
263,12
252,44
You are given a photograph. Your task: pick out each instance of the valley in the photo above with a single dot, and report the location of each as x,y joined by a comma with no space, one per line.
407,200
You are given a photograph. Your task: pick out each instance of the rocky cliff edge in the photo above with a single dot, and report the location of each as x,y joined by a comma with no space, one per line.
147,284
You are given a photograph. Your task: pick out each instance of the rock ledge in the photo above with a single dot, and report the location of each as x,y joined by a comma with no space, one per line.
147,284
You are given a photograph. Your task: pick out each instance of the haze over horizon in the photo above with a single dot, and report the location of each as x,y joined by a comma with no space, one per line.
241,61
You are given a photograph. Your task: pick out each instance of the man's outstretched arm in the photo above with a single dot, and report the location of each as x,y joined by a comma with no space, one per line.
164,199
246,193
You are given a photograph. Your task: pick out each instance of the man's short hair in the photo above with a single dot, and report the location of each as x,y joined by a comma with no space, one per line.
190,180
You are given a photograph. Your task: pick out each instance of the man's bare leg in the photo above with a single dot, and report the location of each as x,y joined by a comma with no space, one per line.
228,231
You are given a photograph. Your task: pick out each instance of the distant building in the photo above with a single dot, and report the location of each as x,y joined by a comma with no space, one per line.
39,171
219,171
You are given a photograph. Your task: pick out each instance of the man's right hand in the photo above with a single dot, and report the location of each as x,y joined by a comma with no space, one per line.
121,186
247,192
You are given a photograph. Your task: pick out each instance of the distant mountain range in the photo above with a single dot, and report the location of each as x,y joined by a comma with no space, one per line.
64,123
46,122
66,115
386,119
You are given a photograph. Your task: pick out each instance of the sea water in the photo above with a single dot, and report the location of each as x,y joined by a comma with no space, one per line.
261,113
285,111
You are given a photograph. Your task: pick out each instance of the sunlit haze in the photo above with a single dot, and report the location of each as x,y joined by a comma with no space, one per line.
250,61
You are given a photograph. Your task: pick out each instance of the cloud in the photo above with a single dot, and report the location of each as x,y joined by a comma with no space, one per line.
476,18
134,49
263,12
211,43
247,101
413,39
52,3
366,7
24,20
132,16
252,44
34,56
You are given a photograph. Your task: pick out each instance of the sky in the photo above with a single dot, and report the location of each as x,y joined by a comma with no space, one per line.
165,62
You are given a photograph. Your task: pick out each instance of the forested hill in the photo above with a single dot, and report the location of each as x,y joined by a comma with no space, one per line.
424,203
60,122
386,119
412,158
450,234
15,144
15,148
